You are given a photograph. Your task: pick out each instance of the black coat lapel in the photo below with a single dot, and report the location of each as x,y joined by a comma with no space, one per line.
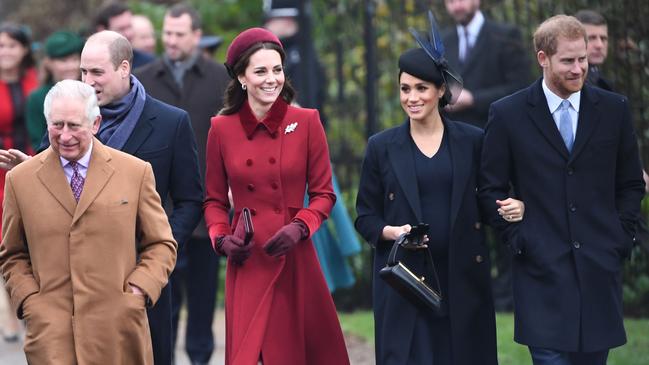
589,118
540,115
461,160
141,132
403,165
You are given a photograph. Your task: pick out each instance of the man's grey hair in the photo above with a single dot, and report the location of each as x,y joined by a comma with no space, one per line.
73,89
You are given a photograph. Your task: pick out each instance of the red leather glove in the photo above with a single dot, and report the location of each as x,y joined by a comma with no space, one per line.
286,238
233,247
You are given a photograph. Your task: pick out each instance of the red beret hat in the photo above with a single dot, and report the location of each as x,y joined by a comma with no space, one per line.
246,39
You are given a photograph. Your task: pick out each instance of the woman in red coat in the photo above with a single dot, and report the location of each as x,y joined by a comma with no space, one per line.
278,307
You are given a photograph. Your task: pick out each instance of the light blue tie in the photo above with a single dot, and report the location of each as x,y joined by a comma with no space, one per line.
565,125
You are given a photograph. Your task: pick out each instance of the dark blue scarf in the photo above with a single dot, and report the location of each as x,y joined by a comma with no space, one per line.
120,117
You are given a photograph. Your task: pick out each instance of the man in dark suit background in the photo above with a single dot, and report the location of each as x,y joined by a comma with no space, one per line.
570,152
184,78
597,32
489,56
158,133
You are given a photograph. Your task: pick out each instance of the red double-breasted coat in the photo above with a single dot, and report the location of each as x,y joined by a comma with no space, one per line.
279,308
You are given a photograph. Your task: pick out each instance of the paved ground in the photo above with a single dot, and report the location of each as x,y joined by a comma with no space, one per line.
360,353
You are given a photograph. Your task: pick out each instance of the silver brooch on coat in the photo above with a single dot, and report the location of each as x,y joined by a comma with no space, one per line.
290,128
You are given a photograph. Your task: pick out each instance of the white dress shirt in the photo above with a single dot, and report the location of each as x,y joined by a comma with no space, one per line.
473,28
554,102
83,163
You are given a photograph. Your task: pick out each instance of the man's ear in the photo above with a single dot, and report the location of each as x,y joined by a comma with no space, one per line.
125,69
542,58
96,124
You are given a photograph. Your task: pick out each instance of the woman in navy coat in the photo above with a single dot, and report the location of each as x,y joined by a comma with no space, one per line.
425,171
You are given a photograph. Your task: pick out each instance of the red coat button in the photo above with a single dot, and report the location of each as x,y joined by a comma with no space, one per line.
249,162
274,185
251,187
278,211
272,160
253,211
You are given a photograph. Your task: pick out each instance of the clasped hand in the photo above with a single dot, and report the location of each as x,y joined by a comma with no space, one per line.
234,248
512,210
393,233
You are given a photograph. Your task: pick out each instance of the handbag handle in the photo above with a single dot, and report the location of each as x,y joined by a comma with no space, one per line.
392,258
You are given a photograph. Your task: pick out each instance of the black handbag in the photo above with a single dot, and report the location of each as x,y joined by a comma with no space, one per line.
408,284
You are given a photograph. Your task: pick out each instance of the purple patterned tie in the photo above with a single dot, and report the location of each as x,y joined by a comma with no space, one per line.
76,182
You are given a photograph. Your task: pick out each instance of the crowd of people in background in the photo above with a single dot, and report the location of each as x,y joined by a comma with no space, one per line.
240,140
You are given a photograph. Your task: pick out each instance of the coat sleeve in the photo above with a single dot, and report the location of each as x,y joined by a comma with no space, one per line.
369,201
15,263
185,186
35,119
320,188
629,184
495,176
157,247
217,205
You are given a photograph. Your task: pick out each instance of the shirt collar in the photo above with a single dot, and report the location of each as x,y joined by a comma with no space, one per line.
83,161
186,64
554,100
271,122
474,25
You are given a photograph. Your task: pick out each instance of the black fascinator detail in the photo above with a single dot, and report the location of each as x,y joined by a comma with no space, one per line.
431,43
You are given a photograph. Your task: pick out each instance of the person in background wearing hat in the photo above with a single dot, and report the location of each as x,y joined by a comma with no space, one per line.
267,152
18,78
62,59
209,44
336,241
282,18
143,34
425,170
570,151
183,78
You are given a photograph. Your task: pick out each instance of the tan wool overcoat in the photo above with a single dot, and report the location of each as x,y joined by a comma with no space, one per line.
68,265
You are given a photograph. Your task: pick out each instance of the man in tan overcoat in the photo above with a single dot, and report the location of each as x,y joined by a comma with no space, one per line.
86,245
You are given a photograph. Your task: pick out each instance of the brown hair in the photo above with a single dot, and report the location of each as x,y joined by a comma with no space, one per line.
120,50
235,96
547,34
590,17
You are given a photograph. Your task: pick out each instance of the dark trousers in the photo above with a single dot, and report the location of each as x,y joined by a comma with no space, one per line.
160,326
541,356
195,279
